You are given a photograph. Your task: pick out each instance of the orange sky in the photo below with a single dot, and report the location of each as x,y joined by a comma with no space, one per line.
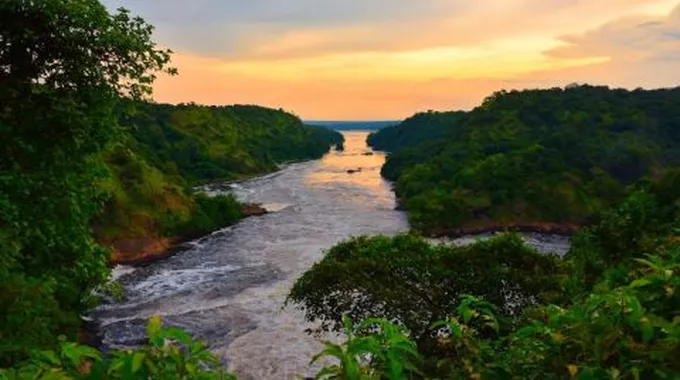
380,59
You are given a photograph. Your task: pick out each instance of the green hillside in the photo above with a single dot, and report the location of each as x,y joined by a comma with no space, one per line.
204,143
531,158
416,129
168,149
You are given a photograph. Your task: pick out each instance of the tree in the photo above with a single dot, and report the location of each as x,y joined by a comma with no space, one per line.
541,157
405,279
64,65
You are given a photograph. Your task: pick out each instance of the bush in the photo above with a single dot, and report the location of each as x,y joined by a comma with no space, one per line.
170,354
406,279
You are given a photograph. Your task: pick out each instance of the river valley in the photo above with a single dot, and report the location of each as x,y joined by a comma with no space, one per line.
229,288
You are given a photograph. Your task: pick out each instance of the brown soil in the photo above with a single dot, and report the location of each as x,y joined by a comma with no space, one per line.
138,251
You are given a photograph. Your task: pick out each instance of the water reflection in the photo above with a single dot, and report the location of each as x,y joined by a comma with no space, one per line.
357,165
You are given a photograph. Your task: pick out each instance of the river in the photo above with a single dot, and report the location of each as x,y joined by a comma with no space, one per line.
229,288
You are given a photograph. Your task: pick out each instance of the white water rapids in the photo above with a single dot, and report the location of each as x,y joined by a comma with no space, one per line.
228,288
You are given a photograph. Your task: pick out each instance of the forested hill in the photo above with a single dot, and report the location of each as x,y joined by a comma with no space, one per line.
78,176
167,149
536,158
416,129
209,143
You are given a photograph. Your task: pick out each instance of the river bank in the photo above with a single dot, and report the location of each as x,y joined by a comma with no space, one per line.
548,228
146,250
229,288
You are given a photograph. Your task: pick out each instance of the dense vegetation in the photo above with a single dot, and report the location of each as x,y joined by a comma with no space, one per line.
407,279
416,129
170,354
167,149
70,76
609,309
531,158
203,143
87,161
63,67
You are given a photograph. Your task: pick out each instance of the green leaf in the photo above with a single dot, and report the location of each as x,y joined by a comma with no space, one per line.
639,283
137,361
50,357
154,328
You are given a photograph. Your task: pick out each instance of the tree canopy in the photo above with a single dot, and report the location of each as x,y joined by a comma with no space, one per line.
63,67
608,309
527,158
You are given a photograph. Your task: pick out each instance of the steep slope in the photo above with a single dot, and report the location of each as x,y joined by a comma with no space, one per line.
416,129
539,159
167,149
204,143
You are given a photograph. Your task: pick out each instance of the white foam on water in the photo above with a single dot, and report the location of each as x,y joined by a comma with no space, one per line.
172,281
119,271
275,207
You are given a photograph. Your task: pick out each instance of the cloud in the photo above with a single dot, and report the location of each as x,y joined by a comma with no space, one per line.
638,49
272,29
628,38
234,27
363,59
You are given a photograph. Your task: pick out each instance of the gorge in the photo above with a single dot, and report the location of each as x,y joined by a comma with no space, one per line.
229,287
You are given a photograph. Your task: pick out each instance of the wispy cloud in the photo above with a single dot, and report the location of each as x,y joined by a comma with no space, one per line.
640,51
389,58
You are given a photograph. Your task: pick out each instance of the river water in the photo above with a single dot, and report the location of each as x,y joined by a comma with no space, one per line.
229,288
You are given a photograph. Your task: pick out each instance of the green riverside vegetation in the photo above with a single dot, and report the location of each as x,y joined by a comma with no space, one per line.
499,310
529,158
88,160
166,150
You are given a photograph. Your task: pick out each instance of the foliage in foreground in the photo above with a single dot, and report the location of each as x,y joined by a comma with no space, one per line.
613,312
76,159
624,332
373,349
406,278
170,354
64,65
617,331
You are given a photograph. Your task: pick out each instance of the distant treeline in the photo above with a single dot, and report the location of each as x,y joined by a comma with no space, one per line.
354,125
529,158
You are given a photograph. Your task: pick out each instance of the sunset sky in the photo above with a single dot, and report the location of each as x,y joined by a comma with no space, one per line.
386,59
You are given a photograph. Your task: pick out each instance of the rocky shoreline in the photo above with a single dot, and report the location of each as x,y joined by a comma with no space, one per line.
548,228
143,251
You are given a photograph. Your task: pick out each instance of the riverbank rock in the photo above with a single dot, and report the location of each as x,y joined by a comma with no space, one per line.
136,251
140,251
549,228
253,210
